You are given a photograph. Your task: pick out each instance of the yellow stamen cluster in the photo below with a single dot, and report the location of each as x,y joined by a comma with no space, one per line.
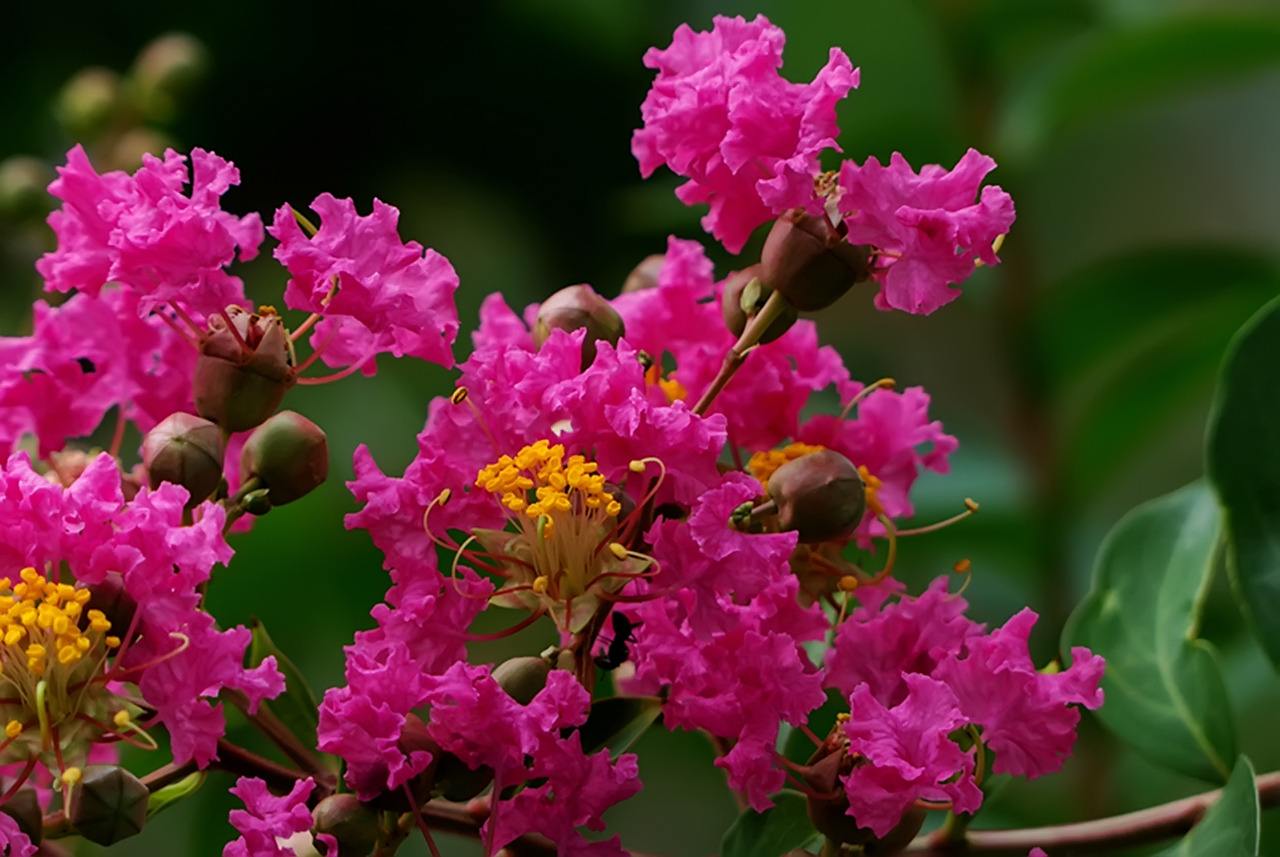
764,464
872,483
670,387
558,484
40,621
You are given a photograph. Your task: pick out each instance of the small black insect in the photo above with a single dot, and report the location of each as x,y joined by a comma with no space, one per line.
86,365
617,653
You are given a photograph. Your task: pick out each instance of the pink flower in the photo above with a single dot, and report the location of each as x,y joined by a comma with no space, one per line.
143,232
926,227
908,754
681,317
747,139
876,648
377,294
893,438
13,842
1027,717
267,818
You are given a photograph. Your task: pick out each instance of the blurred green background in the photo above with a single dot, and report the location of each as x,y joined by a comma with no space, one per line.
1140,139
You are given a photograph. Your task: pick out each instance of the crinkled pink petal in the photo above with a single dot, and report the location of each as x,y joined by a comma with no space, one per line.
267,818
13,842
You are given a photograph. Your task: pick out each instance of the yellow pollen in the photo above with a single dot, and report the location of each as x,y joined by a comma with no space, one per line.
559,484
848,583
971,504
872,484
71,776
13,729
540,584
635,465
764,464
670,387
267,309
42,620
122,718
112,642
842,717
459,396
963,566
617,550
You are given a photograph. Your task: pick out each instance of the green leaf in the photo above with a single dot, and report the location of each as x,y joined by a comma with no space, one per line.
1123,68
1244,467
1231,826
618,722
1165,692
296,708
163,798
771,833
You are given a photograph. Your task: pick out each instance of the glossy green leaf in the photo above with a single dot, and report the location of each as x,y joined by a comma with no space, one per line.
1231,826
1164,690
771,833
165,797
296,707
1244,467
1123,68
618,722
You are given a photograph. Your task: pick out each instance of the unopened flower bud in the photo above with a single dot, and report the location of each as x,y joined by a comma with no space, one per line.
22,186
89,101
809,261
130,147
186,450
579,307
289,454
117,605
24,808
819,495
745,295
645,275
353,824
522,678
238,386
165,69
108,804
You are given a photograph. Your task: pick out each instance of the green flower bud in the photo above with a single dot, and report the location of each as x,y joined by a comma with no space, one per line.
349,821
809,261
165,70
240,386
289,454
577,307
522,678
186,450
24,808
108,804
645,275
89,101
22,186
127,151
744,295
820,495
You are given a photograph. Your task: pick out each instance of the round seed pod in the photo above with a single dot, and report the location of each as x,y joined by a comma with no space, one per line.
820,496
115,602
414,738
186,450
353,824
645,275
289,454
745,295
809,261
522,678
579,307
238,388
108,804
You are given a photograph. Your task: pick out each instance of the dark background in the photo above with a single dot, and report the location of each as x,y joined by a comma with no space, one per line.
1138,138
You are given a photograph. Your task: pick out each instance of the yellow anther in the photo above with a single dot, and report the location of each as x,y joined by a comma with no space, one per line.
848,583
613,508
443,496
964,566
112,642
971,504
764,464
842,717
617,550
122,718
71,776
68,654
635,465
13,729
267,309
540,584
14,635
459,396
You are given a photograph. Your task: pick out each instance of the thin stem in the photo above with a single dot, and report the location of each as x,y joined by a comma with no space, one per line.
178,330
1104,834
268,724
186,317
772,309
167,775
448,817
244,346
235,759
336,376
117,436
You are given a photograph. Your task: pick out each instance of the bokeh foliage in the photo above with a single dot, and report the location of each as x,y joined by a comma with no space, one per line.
1139,138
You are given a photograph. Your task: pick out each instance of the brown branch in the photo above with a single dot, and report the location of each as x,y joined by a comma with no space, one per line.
1104,834
235,759
449,817
772,309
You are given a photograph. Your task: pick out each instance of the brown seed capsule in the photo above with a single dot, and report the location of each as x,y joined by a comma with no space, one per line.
353,824
186,450
240,386
522,678
745,295
414,738
24,808
809,261
289,454
645,275
108,804
579,307
828,807
820,495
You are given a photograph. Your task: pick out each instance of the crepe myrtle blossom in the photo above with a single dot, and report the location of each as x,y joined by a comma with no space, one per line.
116,641
13,842
747,140
929,229
267,820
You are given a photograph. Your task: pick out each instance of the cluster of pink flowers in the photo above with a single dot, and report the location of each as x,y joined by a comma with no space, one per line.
605,461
